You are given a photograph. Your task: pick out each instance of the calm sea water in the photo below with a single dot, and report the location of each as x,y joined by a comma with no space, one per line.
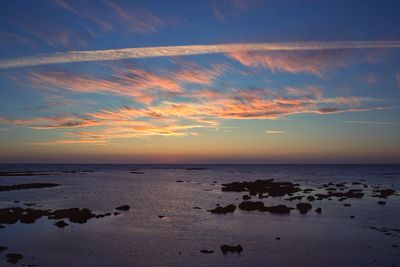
140,238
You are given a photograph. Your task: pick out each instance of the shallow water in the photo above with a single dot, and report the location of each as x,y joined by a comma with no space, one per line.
140,238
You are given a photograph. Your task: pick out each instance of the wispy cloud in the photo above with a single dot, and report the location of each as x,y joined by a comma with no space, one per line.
226,8
373,122
316,62
11,39
369,79
274,132
205,109
398,78
143,86
115,15
52,122
170,51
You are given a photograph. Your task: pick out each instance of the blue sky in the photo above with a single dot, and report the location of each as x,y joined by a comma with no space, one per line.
318,105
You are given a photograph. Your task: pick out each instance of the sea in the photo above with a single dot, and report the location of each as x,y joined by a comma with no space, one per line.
169,223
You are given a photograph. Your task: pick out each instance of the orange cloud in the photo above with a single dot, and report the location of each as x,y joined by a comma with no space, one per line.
143,86
192,73
55,122
293,62
205,109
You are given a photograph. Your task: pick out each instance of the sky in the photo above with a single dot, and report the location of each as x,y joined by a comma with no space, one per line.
218,81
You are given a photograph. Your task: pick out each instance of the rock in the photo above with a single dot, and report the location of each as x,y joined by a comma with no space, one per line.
61,224
136,172
381,202
347,205
273,189
308,190
75,215
205,251
116,213
277,209
123,207
2,248
277,238
161,216
179,181
310,198
195,169
196,208
352,216
250,205
383,193
318,210
13,257
2,226
28,215
303,207
103,215
295,198
223,210
227,248
26,186
246,197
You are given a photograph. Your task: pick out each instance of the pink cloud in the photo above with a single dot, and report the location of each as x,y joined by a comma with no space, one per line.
293,62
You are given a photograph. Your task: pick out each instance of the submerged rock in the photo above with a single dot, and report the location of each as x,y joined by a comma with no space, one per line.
310,198
205,251
381,202
13,257
123,207
61,224
26,186
318,210
295,198
227,248
383,193
223,210
2,248
303,207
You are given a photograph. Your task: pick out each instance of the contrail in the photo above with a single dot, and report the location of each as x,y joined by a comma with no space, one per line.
185,50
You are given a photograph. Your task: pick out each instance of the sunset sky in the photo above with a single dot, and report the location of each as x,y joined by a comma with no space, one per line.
320,82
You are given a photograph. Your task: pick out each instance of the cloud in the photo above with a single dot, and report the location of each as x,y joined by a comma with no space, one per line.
274,132
315,63
52,122
206,109
10,39
373,122
135,19
170,51
114,15
144,86
369,79
226,8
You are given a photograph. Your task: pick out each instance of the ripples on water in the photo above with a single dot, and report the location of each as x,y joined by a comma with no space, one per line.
140,238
